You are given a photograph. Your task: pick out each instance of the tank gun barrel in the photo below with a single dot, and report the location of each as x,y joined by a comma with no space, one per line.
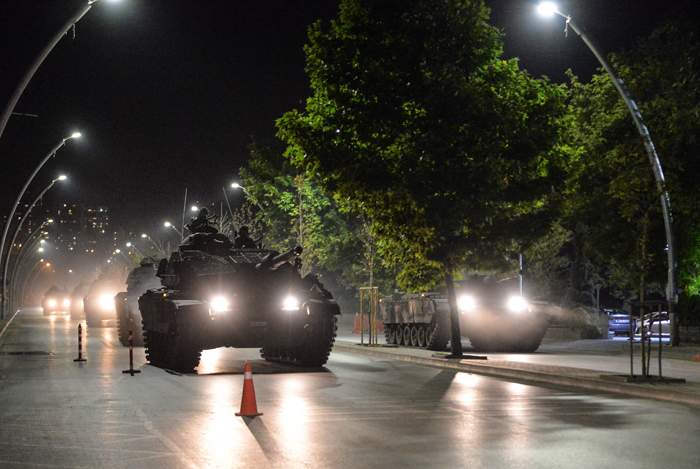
276,261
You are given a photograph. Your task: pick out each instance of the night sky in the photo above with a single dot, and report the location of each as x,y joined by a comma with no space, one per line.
169,93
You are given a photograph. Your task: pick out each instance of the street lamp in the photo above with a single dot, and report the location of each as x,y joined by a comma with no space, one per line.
194,208
6,264
6,229
167,224
550,9
236,186
22,85
129,244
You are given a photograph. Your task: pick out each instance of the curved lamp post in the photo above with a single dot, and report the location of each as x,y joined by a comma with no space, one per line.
9,109
6,229
6,264
167,224
28,247
550,9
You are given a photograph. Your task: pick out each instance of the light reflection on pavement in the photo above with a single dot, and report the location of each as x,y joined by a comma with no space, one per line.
358,412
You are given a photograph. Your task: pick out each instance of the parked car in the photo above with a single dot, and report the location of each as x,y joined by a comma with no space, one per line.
619,322
658,321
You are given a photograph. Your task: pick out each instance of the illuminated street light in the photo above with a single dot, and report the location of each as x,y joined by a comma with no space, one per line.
194,208
144,236
27,77
235,185
550,9
6,230
167,224
41,249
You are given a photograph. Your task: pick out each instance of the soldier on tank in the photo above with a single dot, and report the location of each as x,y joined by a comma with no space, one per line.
243,240
200,224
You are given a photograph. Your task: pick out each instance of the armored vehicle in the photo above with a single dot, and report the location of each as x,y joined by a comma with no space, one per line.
76,300
56,300
139,280
99,304
494,316
214,295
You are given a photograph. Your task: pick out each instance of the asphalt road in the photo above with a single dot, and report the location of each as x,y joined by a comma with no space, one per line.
356,413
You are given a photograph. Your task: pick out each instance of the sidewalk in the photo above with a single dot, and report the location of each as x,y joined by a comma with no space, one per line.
577,370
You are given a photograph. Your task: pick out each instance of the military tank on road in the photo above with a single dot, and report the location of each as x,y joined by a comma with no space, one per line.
494,316
216,295
139,280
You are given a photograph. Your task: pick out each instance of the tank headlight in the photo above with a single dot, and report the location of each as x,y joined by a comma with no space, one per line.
66,302
290,303
106,302
466,303
517,304
219,304
51,303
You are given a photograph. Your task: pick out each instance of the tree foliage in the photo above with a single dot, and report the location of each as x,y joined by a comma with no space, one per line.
417,123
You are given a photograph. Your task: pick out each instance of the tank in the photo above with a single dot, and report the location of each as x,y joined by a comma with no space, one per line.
416,320
76,300
494,316
214,295
139,280
56,300
99,303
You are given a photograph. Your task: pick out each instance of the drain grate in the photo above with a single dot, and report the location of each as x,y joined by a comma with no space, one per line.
27,352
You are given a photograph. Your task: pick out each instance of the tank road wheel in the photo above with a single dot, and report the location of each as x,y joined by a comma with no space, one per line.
320,336
390,334
181,351
437,333
407,335
399,334
414,336
421,336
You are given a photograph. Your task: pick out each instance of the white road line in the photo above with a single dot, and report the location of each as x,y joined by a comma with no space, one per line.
2,332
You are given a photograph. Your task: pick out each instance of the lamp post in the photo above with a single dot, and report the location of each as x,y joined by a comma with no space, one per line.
131,245
550,9
14,99
6,264
167,224
6,229
236,186
27,248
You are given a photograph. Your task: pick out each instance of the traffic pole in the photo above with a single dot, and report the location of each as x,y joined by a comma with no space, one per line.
80,344
131,370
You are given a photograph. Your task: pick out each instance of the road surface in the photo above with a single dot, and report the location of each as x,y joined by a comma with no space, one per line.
357,413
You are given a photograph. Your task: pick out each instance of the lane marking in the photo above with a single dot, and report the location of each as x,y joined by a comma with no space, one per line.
2,332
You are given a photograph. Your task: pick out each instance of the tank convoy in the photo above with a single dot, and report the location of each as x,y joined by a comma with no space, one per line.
221,294
494,316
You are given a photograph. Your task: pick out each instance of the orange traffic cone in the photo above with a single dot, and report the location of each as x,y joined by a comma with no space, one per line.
248,406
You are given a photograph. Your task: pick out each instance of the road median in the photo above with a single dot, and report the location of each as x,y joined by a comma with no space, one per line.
574,378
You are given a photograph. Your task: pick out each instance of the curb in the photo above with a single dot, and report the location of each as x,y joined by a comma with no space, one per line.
532,376
7,324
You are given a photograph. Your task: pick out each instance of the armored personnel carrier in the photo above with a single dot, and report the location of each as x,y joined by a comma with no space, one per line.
139,280
494,316
214,295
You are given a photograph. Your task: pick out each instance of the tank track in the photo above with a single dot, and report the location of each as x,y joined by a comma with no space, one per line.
315,350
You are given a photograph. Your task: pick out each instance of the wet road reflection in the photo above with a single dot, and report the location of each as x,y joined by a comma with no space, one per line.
356,413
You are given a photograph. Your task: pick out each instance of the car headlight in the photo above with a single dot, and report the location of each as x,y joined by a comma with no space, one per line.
517,304
51,303
106,302
290,303
219,304
466,303
66,302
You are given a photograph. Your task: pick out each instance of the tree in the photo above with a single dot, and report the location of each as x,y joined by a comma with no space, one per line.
332,240
417,123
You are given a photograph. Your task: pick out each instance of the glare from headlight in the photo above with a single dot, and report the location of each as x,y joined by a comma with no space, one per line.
106,302
517,304
51,303
66,302
290,303
466,303
219,304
